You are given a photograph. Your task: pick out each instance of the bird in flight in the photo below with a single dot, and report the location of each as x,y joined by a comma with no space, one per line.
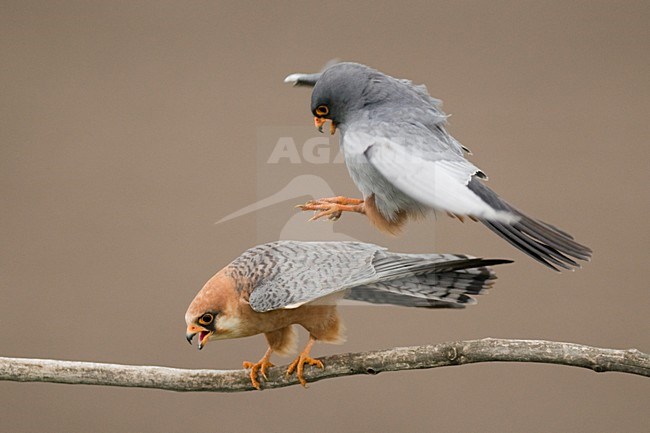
273,286
405,163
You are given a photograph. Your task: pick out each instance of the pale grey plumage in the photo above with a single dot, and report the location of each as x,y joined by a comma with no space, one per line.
396,146
287,274
399,152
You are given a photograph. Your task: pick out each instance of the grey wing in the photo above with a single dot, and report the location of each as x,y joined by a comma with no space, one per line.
303,272
412,159
444,181
297,273
430,280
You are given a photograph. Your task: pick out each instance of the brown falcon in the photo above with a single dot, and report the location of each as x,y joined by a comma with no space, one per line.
273,286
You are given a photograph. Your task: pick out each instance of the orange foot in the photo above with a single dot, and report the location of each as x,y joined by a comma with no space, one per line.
333,207
262,365
299,364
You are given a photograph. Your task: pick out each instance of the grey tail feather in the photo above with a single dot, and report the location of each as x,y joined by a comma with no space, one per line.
392,266
377,296
427,281
543,242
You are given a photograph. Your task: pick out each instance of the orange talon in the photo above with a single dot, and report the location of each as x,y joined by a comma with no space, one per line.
341,200
333,207
298,365
262,366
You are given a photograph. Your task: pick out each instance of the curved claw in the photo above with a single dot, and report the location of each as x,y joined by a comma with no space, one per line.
298,365
332,214
260,366
333,207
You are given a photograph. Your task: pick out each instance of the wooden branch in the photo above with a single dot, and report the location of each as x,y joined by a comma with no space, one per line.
403,358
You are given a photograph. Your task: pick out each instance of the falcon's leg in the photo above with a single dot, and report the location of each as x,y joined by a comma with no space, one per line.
299,364
333,207
262,365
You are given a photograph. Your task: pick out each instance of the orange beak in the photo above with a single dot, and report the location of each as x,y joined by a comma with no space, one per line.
192,330
320,121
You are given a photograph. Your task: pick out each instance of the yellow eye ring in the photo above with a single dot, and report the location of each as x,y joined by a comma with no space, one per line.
322,110
206,319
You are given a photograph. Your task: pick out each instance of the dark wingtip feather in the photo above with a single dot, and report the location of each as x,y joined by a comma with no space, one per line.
543,242
427,280
492,262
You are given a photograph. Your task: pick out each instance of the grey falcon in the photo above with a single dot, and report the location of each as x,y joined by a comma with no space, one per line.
273,286
400,156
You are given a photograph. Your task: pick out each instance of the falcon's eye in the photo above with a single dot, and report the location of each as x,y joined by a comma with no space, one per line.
322,110
206,319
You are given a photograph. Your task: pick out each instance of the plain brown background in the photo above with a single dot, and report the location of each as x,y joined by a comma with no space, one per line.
129,128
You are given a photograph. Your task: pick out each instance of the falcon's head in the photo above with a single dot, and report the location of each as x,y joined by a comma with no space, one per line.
204,326
340,92
213,314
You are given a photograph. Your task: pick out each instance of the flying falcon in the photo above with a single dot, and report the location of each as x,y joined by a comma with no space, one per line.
406,164
273,286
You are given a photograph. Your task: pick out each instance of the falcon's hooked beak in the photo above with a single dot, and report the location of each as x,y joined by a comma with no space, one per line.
204,334
320,121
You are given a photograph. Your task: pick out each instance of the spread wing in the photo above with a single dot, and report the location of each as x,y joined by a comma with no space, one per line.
304,272
420,165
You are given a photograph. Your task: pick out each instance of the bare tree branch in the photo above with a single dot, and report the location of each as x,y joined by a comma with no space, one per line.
404,358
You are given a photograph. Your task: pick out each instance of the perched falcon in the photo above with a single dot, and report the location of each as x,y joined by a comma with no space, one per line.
273,286
405,163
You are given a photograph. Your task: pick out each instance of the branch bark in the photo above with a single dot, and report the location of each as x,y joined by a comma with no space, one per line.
402,358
